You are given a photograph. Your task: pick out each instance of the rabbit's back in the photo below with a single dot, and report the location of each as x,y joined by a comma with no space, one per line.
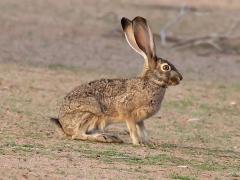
98,88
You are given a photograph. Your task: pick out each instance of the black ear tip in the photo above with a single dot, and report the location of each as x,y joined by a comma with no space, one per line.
140,19
125,22
123,19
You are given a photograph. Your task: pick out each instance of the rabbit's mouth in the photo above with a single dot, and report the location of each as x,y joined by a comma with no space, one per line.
174,81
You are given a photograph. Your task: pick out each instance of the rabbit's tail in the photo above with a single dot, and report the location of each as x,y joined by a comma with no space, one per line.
56,121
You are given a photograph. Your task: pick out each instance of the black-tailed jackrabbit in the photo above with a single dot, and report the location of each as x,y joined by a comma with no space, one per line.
88,109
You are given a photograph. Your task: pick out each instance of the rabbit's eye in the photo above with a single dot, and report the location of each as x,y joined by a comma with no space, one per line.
165,67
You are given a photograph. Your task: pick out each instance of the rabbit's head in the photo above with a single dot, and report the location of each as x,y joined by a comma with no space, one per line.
139,36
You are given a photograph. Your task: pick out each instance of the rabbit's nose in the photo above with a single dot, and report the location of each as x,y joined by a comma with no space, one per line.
180,76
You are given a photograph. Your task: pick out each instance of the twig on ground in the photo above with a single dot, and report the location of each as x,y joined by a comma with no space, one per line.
215,40
163,32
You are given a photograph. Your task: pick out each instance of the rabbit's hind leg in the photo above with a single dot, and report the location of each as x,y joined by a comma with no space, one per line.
98,137
70,123
91,130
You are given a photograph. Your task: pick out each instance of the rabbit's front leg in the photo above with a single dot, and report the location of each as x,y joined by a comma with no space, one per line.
142,132
133,132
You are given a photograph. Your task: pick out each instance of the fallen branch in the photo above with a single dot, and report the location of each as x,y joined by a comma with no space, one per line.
163,32
218,41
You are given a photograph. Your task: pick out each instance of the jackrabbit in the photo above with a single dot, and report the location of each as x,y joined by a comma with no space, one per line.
89,108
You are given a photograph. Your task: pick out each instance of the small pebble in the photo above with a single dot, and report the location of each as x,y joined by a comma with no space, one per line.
233,103
182,166
193,119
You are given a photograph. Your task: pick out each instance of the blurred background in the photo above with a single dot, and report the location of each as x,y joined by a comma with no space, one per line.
48,47
87,34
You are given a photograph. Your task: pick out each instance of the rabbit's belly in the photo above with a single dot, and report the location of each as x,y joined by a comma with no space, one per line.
136,113
145,112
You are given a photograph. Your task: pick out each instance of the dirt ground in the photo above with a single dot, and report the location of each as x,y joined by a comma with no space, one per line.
49,47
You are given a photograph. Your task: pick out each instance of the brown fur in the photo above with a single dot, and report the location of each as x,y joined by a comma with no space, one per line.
90,108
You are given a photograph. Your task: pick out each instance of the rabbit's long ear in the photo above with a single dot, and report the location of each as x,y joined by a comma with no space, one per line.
127,26
144,38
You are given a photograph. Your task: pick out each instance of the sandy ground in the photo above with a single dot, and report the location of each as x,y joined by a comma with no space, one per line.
49,47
